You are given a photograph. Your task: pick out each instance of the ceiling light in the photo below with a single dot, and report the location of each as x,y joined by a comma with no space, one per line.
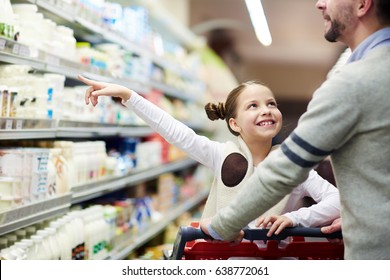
259,22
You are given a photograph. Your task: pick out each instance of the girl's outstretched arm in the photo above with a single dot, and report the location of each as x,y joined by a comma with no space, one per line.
198,147
97,89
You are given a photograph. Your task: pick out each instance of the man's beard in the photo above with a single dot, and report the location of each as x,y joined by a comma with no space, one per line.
334,32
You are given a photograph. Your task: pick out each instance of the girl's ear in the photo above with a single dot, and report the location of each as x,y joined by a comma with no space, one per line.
234,126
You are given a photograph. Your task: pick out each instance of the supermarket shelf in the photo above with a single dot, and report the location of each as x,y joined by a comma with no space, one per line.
15,128
17,59
16,53
157,227
139,131
70,18
98,188
21,124
86,132
27,134
62,13
168,24
26,215
33,213
176,93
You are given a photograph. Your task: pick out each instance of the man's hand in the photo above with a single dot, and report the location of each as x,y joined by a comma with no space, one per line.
335,226
205,223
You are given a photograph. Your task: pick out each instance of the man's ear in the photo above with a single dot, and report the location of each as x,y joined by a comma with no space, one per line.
363,6
234,126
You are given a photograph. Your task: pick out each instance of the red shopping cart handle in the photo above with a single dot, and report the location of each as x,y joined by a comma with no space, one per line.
186,234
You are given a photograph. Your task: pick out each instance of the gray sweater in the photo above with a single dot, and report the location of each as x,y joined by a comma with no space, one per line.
349,119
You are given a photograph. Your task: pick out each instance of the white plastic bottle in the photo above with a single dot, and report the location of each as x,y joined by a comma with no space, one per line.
64,166
67,152
87,233
61,169
76,229
20,249
28,245
8,254
63,238
96,233
72,231
46,244
110,215
53,243
37,251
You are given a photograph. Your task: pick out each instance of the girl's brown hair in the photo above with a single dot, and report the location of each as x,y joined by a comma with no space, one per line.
226,111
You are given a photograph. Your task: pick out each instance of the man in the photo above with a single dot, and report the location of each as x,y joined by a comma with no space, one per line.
349,119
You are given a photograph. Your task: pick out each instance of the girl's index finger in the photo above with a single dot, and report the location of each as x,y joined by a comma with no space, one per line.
85,80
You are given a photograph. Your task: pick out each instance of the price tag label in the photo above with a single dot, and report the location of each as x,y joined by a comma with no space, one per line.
19,124
24,50
15,49
8,124
2,44
52,60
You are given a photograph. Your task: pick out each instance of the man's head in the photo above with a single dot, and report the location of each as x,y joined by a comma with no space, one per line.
350,21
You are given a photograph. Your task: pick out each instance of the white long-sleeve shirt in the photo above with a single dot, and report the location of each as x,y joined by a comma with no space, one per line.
210,154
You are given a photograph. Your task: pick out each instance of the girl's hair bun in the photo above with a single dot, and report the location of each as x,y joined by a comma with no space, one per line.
215,111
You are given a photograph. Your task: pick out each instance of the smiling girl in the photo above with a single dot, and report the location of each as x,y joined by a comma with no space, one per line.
252,115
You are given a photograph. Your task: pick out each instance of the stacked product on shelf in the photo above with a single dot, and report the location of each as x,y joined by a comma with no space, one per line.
24,94
31,28
96,231
25,177
126,26
31,174
41,99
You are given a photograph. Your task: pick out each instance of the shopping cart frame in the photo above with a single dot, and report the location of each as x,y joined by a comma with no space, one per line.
190,244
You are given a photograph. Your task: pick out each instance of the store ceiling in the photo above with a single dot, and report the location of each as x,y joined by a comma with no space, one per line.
294,65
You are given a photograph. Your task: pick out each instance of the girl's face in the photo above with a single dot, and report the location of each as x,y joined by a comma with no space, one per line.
258,117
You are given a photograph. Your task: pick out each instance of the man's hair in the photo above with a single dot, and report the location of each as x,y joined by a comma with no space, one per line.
382,8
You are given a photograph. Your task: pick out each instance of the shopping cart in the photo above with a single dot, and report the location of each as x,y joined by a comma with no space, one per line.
305,243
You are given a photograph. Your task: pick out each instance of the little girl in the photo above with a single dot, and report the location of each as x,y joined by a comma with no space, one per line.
251,114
